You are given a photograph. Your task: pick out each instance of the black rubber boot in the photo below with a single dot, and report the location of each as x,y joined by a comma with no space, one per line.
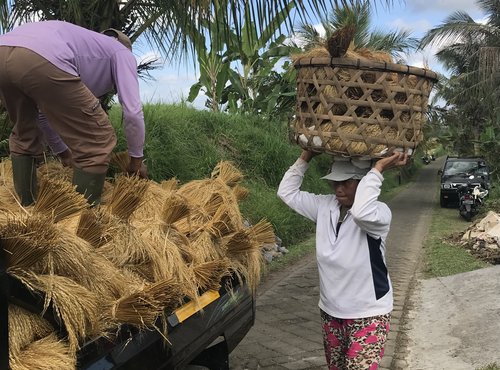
24,176
89,184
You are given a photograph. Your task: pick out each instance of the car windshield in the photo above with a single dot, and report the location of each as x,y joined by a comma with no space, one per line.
464,168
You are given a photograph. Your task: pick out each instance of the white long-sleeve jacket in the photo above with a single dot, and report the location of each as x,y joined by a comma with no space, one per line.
354,282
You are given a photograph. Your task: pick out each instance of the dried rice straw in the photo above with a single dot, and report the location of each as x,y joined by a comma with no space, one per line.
77,306
93,226
120,160
54,169
24,328
143,308
58,199
47,353
128,194
227,173
174,208
209,274
128,249
27,240
240,192
203,248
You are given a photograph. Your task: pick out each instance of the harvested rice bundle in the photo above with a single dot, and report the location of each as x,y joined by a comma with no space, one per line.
144,307
175,207
8,200
93,226
6,172
48,353
77,306
55,170
128,249
227,173
34,244
169,261
58,199
223,222
27,240
206,197
209,275
25,327
128,194
170,184
74,258
8,197
203,248
243,248
153,202
240,192
120,160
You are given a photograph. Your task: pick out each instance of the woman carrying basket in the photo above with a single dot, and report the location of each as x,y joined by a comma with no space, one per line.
351,229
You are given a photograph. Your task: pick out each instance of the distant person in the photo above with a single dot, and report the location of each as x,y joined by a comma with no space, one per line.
62,69
351,229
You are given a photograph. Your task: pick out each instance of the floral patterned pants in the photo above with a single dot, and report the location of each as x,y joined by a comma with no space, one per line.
354,344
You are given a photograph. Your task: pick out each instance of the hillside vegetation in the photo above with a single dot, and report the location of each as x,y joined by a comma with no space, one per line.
185,143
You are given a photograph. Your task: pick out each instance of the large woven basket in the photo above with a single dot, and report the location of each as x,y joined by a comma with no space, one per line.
359,108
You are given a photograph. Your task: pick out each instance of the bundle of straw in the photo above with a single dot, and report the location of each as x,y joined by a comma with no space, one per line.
131,260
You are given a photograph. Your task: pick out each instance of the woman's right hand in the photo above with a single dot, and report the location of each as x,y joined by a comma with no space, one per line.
307,155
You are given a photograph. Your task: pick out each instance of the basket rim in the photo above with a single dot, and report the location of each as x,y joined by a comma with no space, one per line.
364,64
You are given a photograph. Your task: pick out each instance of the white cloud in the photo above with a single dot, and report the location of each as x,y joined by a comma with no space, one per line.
416,26
169,87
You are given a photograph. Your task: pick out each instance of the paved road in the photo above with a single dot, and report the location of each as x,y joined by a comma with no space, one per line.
287,331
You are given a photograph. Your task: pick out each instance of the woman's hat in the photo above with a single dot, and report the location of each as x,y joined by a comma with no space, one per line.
345,168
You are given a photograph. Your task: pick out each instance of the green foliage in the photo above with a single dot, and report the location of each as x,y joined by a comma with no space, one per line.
238,70
471,54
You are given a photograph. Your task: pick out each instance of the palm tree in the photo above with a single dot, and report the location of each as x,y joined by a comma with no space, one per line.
471,53
159,21
357,15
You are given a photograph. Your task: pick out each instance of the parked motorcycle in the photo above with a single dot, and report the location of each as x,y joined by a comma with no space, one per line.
426,159
471,197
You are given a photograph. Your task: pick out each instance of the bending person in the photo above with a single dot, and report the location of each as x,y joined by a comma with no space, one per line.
60,69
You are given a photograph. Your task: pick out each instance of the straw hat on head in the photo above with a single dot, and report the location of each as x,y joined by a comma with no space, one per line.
120,36
345,168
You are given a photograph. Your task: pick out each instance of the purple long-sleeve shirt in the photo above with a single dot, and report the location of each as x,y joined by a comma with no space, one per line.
100,61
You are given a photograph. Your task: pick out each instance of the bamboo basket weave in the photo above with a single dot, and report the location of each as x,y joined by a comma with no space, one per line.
359,108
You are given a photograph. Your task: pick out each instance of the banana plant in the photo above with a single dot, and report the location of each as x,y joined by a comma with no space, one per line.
256,56
231,71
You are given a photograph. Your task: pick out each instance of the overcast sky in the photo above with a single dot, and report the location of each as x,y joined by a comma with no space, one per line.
172,82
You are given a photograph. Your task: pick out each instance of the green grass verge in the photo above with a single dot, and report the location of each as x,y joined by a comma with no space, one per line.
492,366
443,257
